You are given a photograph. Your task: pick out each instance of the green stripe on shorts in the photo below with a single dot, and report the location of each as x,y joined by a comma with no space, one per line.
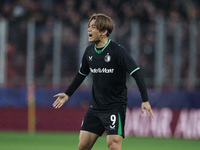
119,125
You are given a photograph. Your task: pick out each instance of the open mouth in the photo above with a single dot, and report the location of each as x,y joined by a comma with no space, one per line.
90,35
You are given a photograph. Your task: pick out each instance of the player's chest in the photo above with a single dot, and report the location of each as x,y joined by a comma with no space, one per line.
101,60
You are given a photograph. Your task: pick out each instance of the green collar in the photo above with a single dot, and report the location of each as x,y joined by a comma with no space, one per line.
100,51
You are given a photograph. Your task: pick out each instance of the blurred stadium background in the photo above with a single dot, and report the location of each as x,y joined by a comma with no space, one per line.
41,44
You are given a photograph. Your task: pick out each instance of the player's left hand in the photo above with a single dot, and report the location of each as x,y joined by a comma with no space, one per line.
147,106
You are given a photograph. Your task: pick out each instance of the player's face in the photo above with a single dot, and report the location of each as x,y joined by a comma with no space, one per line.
93,32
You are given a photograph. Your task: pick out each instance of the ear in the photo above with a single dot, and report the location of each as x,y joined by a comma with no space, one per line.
104,33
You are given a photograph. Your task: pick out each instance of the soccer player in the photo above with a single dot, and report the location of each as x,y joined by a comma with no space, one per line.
108,62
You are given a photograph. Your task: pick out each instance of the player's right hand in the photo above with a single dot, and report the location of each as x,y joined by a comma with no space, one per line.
61,99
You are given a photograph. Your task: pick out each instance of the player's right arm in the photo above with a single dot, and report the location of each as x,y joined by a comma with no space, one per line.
63,97
78,79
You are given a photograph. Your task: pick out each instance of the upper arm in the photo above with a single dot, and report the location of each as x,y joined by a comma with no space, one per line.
128,62
84,67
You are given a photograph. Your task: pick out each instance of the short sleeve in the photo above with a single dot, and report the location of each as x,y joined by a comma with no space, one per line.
127,61
84,67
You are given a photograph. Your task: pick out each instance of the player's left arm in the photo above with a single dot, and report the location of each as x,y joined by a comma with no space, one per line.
132,68
143,90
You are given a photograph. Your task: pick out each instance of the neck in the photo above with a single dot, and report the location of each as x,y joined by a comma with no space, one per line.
101,43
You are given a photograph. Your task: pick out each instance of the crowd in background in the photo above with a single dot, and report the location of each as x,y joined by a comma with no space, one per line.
72,12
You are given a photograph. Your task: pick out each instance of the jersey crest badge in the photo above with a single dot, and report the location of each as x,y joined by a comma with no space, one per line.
107,58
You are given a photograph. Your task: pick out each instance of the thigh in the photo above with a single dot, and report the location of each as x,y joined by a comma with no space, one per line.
92,123
114,122
87,139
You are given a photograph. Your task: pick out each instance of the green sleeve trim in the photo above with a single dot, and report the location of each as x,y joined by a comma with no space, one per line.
138,68
82,73
119,125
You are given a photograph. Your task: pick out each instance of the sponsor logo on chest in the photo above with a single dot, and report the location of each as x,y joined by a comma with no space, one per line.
101,70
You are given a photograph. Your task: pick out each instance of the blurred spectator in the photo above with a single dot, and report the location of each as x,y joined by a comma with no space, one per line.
69,52
44,56
72,12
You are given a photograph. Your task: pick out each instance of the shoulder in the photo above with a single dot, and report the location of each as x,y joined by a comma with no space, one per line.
89,49
118,48
115,44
